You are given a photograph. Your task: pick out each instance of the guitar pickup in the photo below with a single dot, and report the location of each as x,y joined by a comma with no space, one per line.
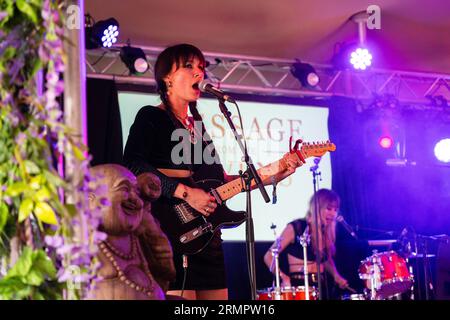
195,233
216,196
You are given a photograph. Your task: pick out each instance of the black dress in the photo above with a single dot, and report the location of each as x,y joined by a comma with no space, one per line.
149,146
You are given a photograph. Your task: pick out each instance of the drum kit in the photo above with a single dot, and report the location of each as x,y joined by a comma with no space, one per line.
277,292
386,276
287,293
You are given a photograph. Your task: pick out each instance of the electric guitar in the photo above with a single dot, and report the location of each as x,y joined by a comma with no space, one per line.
189,231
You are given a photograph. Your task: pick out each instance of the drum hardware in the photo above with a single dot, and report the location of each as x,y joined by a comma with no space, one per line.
275,254
415,246
304,241
355,296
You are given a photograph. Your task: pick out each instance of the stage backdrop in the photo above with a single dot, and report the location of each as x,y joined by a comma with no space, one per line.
267,127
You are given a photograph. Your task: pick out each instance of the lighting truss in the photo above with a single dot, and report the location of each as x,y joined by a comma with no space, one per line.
268,76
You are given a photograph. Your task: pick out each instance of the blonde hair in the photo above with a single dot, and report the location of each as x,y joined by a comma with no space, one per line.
323,198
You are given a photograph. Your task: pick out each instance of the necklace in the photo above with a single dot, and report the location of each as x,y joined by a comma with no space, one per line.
189,126
186,122
120,254
109,254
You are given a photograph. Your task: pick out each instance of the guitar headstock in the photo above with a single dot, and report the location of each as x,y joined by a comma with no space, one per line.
317,149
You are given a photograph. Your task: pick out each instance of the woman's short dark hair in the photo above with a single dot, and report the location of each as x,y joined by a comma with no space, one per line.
178,54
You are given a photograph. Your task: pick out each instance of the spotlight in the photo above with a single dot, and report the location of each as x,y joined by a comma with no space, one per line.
134,59
360,58
385,142
102,34
442,150
306,74
353,56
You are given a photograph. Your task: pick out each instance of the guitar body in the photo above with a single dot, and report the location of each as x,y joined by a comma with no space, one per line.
189,231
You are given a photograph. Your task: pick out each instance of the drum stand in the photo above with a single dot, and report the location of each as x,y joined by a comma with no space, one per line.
304,241
275,254
374,276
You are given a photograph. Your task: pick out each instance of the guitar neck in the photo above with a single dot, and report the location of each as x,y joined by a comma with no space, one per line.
232,188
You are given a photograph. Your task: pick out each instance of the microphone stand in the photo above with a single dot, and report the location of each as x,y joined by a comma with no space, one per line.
247,176
304,241
276,254
316,173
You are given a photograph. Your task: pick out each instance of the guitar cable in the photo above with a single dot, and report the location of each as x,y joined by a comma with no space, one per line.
185,266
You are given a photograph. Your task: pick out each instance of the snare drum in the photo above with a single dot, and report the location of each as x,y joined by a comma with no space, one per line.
287,293
387,272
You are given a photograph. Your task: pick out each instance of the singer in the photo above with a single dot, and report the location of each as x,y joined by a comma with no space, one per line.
328,201
150,148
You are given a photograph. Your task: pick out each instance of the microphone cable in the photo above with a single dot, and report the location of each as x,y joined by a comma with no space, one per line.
185,267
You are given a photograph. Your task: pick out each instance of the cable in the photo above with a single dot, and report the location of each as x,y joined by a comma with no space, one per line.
185,266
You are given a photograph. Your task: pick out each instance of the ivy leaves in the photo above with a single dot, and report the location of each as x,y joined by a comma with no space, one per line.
35,196
30,272
29,9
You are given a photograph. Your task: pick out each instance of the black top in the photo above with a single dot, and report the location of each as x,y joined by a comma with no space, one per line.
150,146
296,249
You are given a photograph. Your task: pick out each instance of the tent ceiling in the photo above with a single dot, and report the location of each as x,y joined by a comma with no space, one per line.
414,34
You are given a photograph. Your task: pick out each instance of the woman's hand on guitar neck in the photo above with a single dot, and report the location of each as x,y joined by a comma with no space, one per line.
198,199
292,164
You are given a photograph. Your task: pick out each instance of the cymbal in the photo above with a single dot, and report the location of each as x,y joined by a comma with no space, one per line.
420,255
385,242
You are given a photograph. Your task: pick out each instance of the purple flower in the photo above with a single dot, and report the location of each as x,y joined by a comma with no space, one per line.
100,236
3,15
54,241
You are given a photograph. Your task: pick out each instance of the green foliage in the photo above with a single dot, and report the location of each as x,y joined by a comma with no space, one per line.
29,184
27,276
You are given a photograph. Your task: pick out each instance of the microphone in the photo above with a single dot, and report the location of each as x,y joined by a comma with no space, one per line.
316,164
403,233
206,86
347,227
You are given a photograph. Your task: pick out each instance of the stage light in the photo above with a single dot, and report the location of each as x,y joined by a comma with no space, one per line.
352,56
103,33
442,150
306,74
134,59
360,58
386,142
355,54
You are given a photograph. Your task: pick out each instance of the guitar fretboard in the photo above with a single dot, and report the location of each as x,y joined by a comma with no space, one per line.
236,186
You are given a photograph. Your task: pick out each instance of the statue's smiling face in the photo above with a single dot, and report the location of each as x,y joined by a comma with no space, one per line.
126,210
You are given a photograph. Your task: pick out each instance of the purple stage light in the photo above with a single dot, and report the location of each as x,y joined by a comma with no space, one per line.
442,150
361,59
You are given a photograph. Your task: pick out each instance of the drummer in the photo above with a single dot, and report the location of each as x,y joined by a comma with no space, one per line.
328,203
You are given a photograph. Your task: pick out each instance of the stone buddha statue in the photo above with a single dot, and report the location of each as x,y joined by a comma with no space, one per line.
125,273
155,244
